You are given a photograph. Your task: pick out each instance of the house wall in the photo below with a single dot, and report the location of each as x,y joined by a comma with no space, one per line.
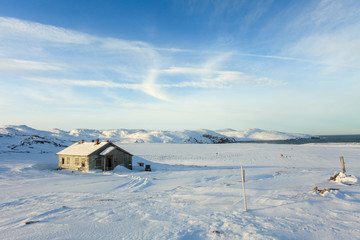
121,158
118,157
74,162
92,162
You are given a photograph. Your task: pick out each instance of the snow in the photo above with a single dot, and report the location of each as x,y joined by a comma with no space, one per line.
346,179
150,136
82,149
258,134
194,191
107,150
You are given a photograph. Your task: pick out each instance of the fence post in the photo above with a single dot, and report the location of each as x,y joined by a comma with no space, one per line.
243,185
342,163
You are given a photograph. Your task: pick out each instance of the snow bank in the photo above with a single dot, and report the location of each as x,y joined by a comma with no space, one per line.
346,179
121,169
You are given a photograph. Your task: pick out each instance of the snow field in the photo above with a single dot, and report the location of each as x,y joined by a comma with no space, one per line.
193,192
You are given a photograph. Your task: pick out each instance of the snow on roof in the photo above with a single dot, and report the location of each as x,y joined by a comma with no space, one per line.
82,149
107,150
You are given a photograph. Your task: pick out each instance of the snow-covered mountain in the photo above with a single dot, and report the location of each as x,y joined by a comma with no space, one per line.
22,138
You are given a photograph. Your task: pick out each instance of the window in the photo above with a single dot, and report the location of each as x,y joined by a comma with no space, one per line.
82,162
62,161
67,160
98,162
77,162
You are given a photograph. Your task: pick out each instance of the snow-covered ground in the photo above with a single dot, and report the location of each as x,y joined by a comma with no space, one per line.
194,191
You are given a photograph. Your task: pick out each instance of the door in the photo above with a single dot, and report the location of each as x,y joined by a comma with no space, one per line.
109,162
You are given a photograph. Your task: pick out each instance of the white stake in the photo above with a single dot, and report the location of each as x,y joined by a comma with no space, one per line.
243,185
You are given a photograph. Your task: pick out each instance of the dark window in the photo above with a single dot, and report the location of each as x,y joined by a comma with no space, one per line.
62,160
83,162
98,162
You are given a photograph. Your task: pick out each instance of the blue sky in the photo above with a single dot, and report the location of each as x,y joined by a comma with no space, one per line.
291,66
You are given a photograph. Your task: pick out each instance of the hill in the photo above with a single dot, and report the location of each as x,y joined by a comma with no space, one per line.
21,138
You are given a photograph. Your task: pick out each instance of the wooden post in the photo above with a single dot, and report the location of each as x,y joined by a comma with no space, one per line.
342,163
104,163
243,185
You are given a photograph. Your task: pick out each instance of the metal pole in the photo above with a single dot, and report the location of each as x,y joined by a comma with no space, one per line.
243,185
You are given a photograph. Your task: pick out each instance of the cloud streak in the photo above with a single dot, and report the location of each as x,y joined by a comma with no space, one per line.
113,63
15,28
305,44
18,65
210,75
329,35
85,83
140,53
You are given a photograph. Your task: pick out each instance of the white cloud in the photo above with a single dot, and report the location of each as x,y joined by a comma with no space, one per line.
18,64
329,35
218,79
141,58
327,15
184,71
150,60
84,83
89,61
121,45
210,75
339,49
150,87
11,27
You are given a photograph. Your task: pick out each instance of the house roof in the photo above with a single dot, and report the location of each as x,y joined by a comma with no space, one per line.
82,149
107,150
87,148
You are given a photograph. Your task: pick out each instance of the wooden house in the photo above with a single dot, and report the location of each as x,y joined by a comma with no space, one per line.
85,156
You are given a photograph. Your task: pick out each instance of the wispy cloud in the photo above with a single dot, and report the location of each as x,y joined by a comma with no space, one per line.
329,35
325,15
15,28
338,49
87,61
298,49
84,83
211,74
217,79
144,58
18,65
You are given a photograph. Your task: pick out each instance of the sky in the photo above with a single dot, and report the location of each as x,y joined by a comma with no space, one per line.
291,66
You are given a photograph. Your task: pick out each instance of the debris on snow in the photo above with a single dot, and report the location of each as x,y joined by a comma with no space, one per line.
344,178
332,178
316,190
30,222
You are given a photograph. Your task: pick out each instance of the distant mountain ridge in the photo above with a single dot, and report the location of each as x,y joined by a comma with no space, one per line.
22,138
153,136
